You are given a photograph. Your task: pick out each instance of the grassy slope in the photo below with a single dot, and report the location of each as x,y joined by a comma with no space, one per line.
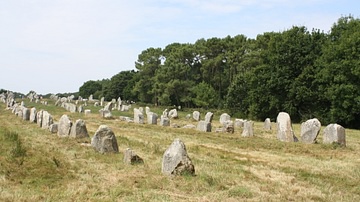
228,167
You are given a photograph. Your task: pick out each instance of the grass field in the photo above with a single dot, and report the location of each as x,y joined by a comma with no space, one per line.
36,165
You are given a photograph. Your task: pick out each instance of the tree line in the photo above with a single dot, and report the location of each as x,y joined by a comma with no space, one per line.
307,73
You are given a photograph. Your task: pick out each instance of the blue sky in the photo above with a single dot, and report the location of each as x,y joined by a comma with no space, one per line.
54,46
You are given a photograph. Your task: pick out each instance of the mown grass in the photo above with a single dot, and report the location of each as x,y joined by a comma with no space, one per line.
43,167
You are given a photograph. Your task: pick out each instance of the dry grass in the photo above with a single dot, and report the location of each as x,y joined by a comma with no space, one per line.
228,167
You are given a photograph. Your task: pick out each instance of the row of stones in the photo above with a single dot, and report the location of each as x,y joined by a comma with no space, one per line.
175,159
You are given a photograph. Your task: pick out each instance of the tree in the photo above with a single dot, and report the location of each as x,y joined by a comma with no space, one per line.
121,85
89,88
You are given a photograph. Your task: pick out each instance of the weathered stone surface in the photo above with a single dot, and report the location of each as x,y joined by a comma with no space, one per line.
79,130
53,128
173,114
102,101
32,117
81,109
188,116
209,117
108,106
284,128
310,130
228,126
189,126
239,123
196,115
147,110
267,124
39,118
105,113
248,130
87,111
104,140
334,133
204,126
130,157
164,121
47,120
224,118
152,118
64,126
176,160
138,116
26,114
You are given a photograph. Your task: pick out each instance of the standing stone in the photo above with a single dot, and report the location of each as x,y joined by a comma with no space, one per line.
224,118
310,130
188,116
334,133
165,113
141,110
176,160
209,117
102,101
53,128
47,120
164,121
239,123
81,109
284,128
32,117
104,140
119,104
108,106
204,126
138,116
91,97
78,130
229,126
267,124
152,118
87,111
26,114
196,115
248,129
39,118
130,157
64,126
147,110
105,113
173,114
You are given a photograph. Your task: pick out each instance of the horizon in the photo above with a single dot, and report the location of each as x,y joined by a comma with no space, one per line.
56,46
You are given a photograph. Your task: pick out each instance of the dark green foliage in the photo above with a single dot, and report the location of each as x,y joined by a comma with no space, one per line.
305,73
89,88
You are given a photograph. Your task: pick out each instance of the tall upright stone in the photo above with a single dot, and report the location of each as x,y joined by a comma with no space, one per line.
224,118
267,124
64,126
138,116
79,130
108,106
152,118
176,160
248,130
102,101
310,130
173,114
285,132
39,118
47,120
32,117
26,114
203,126
196,115
164,120
104,140
334,133
209,117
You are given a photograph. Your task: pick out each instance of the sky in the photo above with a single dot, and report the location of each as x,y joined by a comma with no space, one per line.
54,46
